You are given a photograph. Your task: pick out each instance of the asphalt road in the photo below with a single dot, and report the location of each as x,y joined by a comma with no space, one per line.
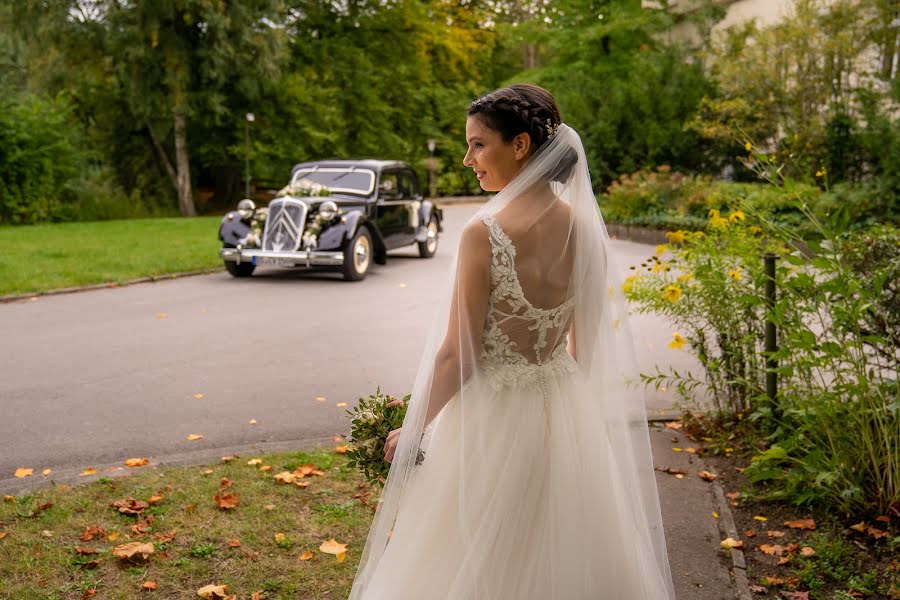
95,377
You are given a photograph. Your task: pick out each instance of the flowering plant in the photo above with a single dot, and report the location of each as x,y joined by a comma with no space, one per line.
371,421
303,187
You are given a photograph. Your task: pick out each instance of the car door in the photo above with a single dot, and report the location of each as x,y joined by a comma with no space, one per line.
392,208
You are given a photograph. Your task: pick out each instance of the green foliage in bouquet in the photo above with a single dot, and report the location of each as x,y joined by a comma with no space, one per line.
371,421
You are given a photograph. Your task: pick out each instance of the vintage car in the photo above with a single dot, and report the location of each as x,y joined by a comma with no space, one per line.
338,214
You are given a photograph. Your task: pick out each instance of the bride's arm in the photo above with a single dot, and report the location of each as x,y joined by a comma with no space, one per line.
570,345
456,358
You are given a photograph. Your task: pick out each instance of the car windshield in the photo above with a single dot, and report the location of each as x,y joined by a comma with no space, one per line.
346,180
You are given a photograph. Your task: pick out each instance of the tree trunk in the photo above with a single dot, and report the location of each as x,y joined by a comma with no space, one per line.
185,197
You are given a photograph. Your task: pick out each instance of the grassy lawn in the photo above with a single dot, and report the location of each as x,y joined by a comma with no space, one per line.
195,542
37,258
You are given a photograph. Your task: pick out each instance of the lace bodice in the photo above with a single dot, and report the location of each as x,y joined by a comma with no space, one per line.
516,333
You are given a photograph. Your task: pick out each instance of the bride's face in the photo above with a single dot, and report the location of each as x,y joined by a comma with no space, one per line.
494,161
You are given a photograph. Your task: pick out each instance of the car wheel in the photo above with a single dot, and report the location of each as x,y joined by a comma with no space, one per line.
429,246
245,269
358,256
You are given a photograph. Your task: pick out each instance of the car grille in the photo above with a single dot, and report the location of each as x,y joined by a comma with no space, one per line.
284,225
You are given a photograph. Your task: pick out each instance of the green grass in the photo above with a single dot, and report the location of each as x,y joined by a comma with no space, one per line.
38,559
38,258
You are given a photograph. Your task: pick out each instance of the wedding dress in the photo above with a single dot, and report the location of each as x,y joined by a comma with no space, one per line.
536,482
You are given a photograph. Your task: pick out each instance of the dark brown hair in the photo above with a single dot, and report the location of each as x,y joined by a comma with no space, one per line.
524,108
519,108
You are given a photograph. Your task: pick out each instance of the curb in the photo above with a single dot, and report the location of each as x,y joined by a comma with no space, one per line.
101,286
738,564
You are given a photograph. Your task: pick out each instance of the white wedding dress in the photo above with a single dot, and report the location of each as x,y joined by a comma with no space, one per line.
545,516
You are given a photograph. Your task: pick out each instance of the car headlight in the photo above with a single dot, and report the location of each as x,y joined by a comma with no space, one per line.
245,208
328,210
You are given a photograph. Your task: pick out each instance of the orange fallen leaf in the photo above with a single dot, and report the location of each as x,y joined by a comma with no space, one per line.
229,458
130,506
8,498
113,536
749,533
132,550
165,537
155,499
91,532
88,471
707,475
136,462
213,592
279,537
256,596
332,546
266,468
307,555
227,500
342,449
46,472
771,549
235,543
23,472
801,524
252,421
674,425
807,551
731,543
3,534
89,593
775,534
285,477
149,585
338,438
195,436
254,461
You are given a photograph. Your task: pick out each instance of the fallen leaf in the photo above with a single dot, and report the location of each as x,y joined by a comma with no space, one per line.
46,472
775,534
279,537
227,500
208,471
715,515
332,546
155,499
758,589
130,506
47,533
88,471
307,555
338,438
213,592
89,593
132,550
3,534
165,537
235,543
342,449
266,468
707,476
797,595
876,533
194,436
8,498
285,477
230,458
269,507
731,543
41,508
149,585
136,462
674,425
758,518
91,532
85,551
807,551
256,596
254,461
749,533
801,524
771,549
23,472
113,536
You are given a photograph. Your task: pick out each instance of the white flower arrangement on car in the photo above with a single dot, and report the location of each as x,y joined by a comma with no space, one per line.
371,421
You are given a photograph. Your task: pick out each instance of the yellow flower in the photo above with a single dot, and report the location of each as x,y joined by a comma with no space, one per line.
713,213
629,283
748,146
819,173
736,274
685,277
660,249
675,237
677,341
736,216
672,293
718,222
754,229
660,266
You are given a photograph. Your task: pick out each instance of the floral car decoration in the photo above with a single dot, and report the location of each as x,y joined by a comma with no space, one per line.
338,214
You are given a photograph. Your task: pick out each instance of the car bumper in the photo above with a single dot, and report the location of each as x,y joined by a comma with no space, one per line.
282,259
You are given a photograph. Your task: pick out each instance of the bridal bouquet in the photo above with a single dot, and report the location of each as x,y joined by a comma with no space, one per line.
371,421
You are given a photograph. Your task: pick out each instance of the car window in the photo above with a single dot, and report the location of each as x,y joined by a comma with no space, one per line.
406,185
389,187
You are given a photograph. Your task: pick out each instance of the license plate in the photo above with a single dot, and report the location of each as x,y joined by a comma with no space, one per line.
275,261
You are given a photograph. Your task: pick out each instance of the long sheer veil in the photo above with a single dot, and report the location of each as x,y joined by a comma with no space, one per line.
562,253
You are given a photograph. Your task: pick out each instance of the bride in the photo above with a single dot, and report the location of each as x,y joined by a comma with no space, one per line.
522,470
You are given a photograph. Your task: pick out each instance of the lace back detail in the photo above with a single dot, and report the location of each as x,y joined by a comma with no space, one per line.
516,332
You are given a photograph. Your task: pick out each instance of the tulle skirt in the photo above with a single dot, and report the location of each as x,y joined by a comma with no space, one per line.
518,499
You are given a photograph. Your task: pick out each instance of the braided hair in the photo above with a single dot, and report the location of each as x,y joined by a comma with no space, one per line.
523,108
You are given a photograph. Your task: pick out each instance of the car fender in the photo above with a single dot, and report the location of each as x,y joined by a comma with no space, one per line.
334,237
428,208
232,230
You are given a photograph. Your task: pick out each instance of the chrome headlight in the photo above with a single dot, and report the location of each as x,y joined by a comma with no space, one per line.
328,210
245,208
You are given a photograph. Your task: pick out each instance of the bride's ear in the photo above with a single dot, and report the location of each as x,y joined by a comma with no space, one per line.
522,145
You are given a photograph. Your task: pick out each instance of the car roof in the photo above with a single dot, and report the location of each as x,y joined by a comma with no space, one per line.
365,163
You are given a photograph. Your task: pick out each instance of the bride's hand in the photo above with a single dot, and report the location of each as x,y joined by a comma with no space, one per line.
390,444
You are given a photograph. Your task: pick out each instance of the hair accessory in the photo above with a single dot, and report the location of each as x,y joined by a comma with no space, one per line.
551,129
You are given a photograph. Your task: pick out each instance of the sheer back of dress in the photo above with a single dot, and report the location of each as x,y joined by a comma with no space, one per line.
531,306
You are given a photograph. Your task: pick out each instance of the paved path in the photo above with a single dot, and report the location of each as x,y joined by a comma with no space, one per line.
92,378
